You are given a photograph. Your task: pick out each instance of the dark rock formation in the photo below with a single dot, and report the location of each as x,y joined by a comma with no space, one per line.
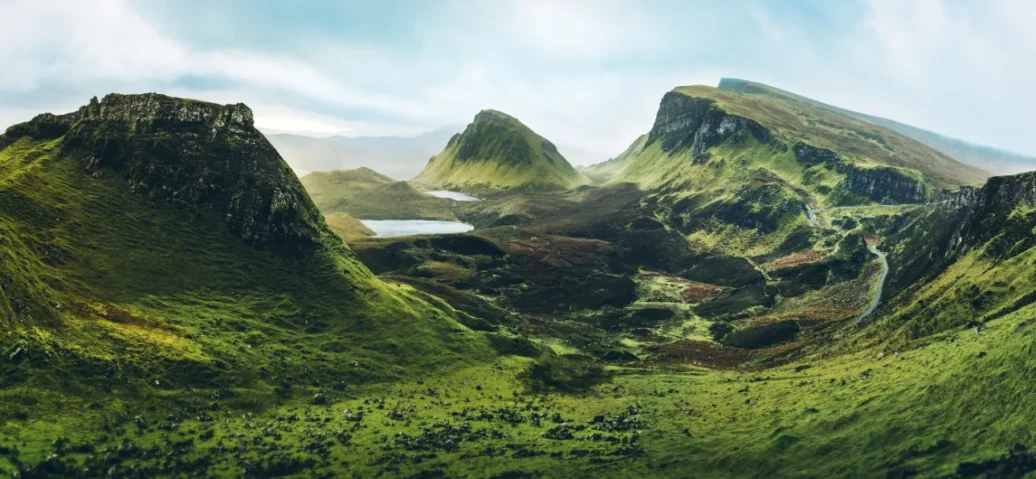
811,156
885,185
194,155
996,219
699,124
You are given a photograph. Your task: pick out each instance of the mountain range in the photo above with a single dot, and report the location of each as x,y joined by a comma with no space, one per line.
761,285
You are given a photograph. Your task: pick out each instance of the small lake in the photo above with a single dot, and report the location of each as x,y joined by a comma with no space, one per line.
390,228
453,195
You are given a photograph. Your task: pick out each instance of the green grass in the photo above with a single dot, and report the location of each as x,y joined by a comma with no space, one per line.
959,397
602,173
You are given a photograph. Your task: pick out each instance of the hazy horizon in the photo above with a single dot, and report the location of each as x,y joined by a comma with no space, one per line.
584,74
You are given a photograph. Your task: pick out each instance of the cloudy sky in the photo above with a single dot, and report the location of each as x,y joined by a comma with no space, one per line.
582,73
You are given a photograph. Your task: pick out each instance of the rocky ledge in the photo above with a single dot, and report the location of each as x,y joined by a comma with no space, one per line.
699,124
194,155
886,185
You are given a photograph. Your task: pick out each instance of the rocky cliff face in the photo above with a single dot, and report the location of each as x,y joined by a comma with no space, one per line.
194,155
997,218
885,185
699,124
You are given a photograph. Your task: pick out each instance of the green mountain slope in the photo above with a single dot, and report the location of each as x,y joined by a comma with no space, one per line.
601,173
731,169
152,246
993,160
496,151
365,194
965,260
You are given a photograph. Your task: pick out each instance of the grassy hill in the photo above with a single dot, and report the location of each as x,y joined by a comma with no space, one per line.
155,250
993,160
496,151
734,168
366,194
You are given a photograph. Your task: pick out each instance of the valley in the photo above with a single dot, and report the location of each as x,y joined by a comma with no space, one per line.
759,286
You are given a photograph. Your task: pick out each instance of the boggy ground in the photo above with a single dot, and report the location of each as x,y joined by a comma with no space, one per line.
599,272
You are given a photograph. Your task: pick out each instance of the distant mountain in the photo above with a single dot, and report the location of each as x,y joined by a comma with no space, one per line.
579,156
496,151
993,160
366,194
604,171
399,157
694,120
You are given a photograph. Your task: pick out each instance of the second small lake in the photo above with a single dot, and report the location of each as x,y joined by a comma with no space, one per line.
453,195
390,228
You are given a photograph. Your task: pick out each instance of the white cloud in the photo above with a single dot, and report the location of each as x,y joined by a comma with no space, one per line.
580,29
106,40
583,73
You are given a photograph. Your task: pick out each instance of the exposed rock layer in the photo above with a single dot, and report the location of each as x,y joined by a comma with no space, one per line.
699,124
194,155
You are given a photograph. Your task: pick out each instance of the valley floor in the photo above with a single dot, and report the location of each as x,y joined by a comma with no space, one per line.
954,406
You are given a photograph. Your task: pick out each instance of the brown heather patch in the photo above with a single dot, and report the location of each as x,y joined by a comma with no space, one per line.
802,257
560,251
698,291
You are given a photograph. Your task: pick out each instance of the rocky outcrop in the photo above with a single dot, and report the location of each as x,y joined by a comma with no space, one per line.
993,218
685,122
810,155
193,155
886,185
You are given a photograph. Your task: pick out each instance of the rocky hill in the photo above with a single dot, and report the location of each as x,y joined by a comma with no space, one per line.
189,154
496,151
738,165
165,242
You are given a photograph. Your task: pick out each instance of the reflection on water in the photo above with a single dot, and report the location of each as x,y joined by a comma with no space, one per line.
453,195
389,228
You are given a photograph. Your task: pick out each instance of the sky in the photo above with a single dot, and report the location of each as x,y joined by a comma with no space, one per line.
588,74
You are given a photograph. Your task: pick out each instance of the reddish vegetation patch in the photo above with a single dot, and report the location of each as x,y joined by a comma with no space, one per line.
560,251
717,356
703,353
698,291
693,290
796,259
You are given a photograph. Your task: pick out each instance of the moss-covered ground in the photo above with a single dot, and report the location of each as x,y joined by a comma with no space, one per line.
955,404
